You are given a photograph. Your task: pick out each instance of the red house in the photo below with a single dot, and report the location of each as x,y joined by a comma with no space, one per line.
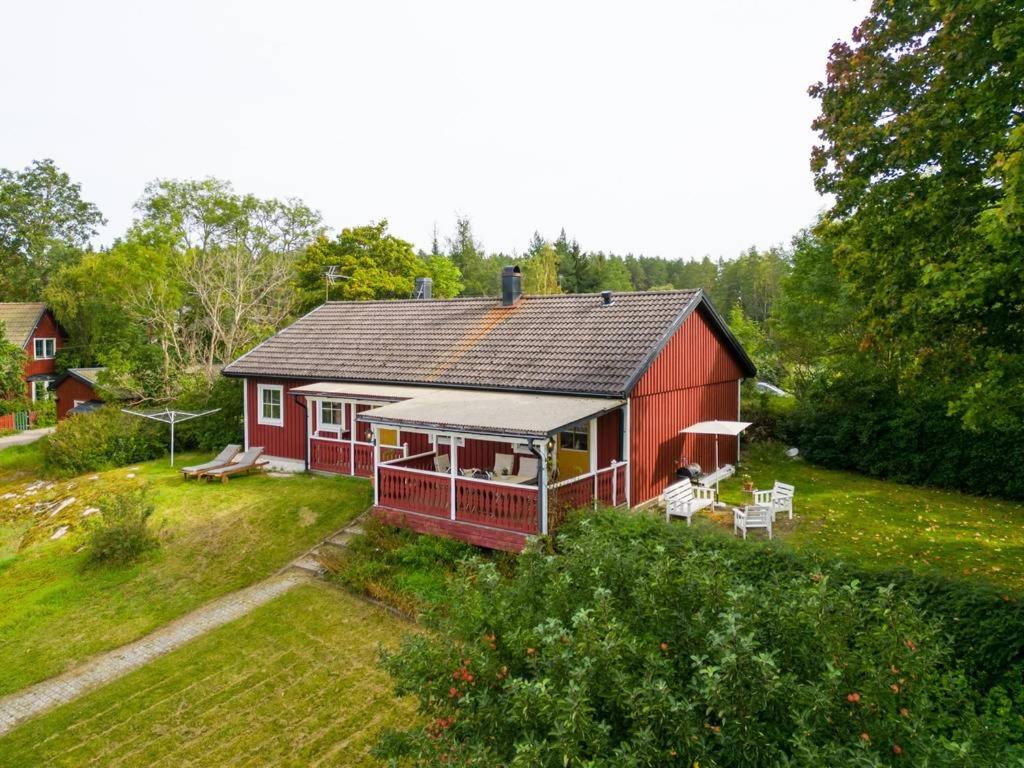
33,328
76,391
486,419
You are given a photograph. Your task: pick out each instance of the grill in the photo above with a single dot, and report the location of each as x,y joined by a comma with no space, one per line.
689,471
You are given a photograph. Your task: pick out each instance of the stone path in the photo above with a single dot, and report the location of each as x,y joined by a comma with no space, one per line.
25,704
18,707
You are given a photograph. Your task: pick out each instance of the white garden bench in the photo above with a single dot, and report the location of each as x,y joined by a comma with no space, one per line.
683,499
778,499
745,518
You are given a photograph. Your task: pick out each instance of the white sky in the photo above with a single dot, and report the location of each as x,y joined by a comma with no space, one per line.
676,128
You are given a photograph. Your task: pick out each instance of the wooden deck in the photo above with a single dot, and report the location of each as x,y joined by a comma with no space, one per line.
473,533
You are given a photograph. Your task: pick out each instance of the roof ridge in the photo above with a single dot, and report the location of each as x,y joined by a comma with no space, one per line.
531,296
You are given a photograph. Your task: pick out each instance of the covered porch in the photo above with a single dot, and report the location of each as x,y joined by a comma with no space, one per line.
497,467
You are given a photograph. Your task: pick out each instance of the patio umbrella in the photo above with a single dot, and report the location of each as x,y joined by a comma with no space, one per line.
716,428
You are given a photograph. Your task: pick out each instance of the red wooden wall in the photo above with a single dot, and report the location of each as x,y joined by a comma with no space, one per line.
72,389
47,329
694,378
287,441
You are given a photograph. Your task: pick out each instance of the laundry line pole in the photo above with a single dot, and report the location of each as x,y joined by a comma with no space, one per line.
171,417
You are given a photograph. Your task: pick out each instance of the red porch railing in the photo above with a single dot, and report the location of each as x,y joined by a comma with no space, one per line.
611,485
501,505
330,456
414,490
567,495
419,461
364,460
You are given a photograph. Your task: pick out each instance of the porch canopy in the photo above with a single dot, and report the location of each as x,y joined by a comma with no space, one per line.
498,414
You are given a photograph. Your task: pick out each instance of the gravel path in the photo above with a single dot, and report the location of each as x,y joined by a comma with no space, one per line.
36,699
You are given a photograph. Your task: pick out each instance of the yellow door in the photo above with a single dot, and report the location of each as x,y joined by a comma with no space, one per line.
574,452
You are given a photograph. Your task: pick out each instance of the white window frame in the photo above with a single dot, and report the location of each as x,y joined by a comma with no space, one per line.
268,421
44,356
329,430
578,431
46,388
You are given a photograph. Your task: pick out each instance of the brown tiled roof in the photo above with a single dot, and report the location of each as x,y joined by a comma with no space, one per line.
567,344
20,319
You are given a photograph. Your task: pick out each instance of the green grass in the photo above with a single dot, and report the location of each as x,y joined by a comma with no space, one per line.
295,683
877,523
214,538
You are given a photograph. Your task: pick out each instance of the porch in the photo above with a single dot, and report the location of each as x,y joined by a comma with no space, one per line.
499,467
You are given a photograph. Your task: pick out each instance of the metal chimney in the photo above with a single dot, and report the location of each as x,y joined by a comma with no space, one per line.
511,285
606,297
424,288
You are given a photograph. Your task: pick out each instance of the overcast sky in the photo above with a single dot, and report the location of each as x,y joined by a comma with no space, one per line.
676,129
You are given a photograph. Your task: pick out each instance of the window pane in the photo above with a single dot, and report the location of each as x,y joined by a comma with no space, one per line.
271,404
330,414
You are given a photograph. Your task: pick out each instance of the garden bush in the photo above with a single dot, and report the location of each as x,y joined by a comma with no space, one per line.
121,533
102,439
212,432
640,644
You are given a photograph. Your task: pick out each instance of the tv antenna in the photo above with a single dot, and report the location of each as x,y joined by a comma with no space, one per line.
331,277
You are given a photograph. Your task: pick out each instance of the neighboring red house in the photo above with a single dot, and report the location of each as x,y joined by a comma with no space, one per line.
33,327
76,391
565,400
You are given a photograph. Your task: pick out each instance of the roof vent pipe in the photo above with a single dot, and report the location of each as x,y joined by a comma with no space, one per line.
606,297
511,285
424,288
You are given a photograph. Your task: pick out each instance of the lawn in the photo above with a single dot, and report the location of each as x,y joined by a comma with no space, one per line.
879,523
214,538
295,683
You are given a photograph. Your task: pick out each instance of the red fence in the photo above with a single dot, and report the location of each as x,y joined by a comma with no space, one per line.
364,460
415,491
500,505
611,485
330,456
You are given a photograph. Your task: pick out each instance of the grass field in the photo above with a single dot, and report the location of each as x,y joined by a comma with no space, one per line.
884,524
294,683
214,538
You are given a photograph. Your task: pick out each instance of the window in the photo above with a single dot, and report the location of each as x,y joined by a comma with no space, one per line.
330,417
41,390
45,349
271,402
575,438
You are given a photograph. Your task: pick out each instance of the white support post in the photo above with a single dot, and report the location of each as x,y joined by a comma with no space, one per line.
542,490
376,468
615,485
352,438
626,432
592,451
172,440
453,451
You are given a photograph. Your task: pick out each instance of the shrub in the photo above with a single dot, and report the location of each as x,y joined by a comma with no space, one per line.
642,644
121,534
102,439
218,429
46,413
771,415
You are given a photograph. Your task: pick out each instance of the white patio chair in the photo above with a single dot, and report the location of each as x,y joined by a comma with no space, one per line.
503,463
746,518
683,499
778,499
442,463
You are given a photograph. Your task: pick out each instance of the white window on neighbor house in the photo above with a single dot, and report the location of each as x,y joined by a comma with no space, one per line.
271,404
45,349
330,418
41,391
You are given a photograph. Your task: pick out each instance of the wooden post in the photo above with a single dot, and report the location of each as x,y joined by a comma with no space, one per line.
376,467
615,485
542,490
592,451
453,451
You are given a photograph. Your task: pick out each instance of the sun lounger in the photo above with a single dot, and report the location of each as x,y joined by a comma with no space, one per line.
223,458
247,462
